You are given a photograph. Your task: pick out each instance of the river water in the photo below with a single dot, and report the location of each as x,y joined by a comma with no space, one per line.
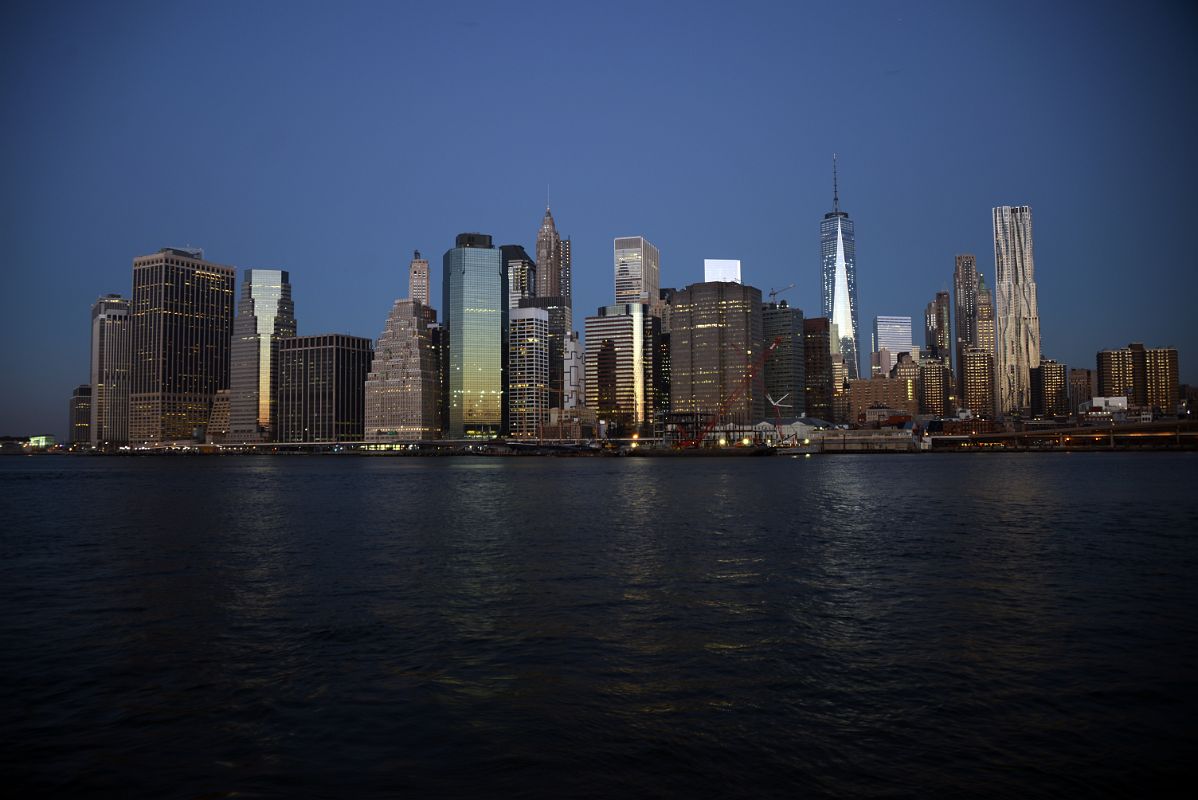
335,626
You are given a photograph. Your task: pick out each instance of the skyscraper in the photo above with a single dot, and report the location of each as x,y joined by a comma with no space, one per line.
784,372
80,417
549,258
521,274
838,290
1050,390
937,330
567,273
817,367
321,382
528,372
111,338
892,335
403,385
476,322
985,316
1147,377
1081,387
182,324
637,271
965,301
265,315
1016,316
418,279
621,369
977,364
715,336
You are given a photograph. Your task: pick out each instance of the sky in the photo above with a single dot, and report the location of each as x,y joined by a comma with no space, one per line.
333,139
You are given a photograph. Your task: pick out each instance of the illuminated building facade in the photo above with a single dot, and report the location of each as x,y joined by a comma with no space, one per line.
265,316
1161,379
1050,389
715,336
621,371
1017,320
892,335
935,383
892,393
111,339
838,288
403,385
785,373
721,269
528,372
637,271
977,365
182,325
1147,377
475,337
937,330
321,385
549,259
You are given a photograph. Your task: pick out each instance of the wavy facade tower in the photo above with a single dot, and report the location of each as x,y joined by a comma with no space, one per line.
1017,320
838,289
265,315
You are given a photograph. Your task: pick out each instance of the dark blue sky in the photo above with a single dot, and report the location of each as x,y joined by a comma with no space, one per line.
333,139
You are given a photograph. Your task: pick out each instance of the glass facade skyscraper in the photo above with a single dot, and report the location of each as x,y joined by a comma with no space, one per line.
475,295
638,271
1017,320
265,315
838,289
622,367
785,371
892,336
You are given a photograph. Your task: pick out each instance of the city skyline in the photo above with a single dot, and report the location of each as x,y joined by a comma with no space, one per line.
340,206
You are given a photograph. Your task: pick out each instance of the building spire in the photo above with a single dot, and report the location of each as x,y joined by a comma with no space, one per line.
546,195
835,187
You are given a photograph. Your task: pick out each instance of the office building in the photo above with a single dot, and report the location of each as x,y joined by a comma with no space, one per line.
621,369
715,338
937,328
528,372
549,258
321,387
574,393
182,327
217,431
418,286
838,287
721,269
1017,321
111,340
403,385
817,367
965,302
476,321
784,371
987,335
1050,389
80,418
521,274
567,272
637,272
265,316
892,336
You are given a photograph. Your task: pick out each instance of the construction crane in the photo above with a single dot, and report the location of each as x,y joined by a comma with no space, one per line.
750,373
778,406
775,292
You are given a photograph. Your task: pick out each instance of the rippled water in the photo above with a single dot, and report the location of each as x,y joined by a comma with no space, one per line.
907,626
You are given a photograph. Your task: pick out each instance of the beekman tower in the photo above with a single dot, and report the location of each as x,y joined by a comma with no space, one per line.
838,290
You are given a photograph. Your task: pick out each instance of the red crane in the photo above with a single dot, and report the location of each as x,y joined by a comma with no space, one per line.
750,373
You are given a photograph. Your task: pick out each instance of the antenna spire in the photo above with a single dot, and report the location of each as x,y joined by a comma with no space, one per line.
835,186
546,195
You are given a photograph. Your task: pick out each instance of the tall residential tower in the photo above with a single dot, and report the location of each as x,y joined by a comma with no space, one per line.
1017,320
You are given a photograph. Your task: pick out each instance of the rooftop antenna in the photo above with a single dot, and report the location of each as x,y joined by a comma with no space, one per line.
546,195
835,186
